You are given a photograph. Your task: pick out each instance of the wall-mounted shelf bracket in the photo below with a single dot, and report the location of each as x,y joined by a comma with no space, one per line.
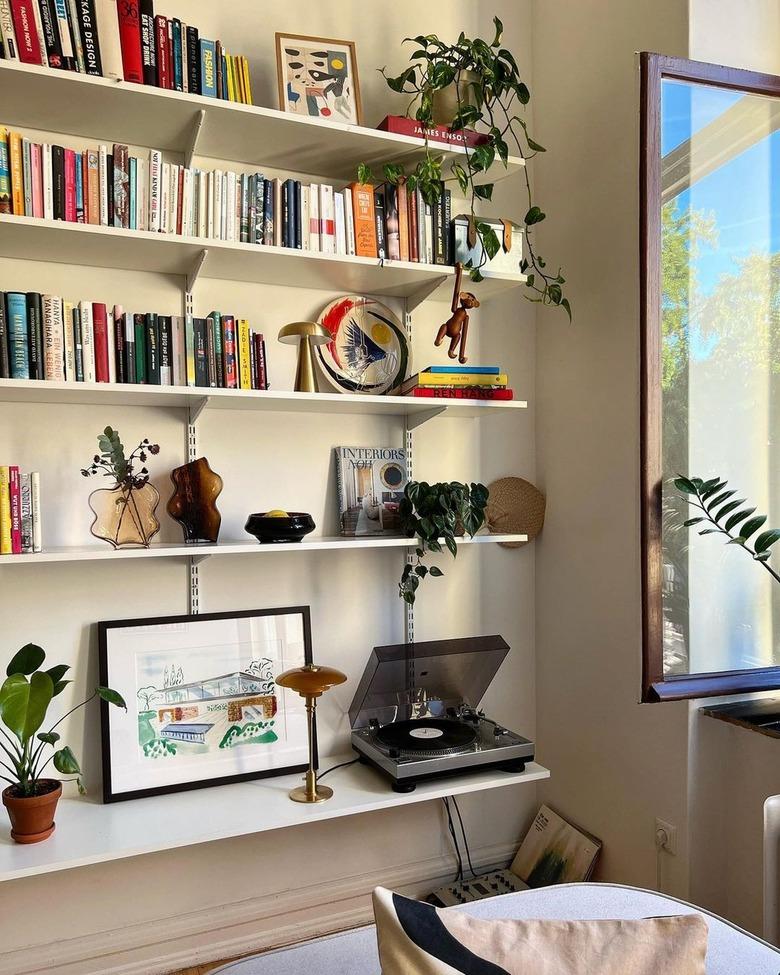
196,409
417,419
419,296
197,267
197,559
198,121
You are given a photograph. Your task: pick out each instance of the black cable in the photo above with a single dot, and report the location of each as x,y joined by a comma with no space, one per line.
451,827
465,838
321,775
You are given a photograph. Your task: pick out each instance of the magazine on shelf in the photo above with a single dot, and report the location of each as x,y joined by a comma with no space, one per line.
555,852
371,482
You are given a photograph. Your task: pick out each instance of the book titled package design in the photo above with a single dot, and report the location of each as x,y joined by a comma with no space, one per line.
371,482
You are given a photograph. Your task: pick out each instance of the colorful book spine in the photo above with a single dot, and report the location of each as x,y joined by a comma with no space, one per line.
17,173
148,47
5,511
6,205
18,355
363,218
100,332
460,379
129,12
5,362
161,49
15,506
470,370
68,342
87,341
208,70
26,513
462,392
244,355
88,33
37,516
53,339
24,13
229,351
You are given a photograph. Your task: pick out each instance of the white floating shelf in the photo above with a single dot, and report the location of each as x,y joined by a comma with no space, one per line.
88,832
267,400
58,242
313,543
99,108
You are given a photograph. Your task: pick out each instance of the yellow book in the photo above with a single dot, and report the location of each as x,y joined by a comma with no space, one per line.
17,177
461,379
5,512
239,76
244,355
230,85
247,82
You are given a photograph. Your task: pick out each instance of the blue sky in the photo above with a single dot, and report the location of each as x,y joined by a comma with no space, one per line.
744,194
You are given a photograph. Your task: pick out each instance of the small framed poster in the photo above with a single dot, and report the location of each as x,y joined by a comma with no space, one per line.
318,78
203,706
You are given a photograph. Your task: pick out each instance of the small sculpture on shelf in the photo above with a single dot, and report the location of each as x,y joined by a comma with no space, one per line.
193,502
456,328
124,513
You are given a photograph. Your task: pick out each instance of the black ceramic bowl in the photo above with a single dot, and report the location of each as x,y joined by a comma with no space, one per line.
290,529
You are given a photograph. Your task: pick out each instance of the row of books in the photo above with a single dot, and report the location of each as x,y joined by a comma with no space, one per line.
122,39
458,382
43,337
20,511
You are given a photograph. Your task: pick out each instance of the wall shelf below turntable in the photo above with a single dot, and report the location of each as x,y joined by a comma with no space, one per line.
88,832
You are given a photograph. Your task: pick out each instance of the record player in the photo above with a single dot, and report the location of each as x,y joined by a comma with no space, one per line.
414,715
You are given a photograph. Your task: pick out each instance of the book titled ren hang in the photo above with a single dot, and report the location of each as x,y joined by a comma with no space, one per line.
370,484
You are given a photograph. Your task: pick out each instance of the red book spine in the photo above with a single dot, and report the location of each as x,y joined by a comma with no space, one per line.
401,125
461,392
100,329
161,36
262,375
70,185
130,40
26,32
14,490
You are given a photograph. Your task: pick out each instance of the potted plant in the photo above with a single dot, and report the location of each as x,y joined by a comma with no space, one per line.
25,696
475,84
437,513
124,513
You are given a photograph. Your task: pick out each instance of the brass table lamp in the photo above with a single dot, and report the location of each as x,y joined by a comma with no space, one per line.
306,334
310,682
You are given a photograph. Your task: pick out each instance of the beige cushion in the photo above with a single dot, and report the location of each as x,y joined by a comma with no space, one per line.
420,939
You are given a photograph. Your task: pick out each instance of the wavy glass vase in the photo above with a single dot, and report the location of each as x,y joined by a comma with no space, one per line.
125,516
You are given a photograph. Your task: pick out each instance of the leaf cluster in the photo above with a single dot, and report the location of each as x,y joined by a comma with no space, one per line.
25,696
723,514
436,514
490,89
112,462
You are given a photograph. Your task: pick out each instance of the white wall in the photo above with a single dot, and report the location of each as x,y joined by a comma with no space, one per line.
234,895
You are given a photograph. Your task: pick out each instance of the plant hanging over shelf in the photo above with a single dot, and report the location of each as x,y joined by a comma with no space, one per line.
722,514
490,92
436,513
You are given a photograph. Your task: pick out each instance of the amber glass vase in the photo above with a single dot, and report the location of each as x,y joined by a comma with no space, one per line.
125,515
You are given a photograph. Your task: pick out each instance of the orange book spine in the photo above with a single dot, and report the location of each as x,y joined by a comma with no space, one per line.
17,178
403,221
363,216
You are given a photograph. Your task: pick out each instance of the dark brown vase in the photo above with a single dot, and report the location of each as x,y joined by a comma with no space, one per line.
193,502
32,817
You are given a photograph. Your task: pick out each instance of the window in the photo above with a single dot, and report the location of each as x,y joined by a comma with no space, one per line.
711,370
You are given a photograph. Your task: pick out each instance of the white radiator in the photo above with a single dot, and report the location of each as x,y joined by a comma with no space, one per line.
772,870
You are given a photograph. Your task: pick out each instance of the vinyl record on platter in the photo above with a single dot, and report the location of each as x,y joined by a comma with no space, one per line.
369,352
426,734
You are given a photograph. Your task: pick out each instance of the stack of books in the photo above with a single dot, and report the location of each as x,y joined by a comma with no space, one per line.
121,39
459,382
44,337
106,186
20,511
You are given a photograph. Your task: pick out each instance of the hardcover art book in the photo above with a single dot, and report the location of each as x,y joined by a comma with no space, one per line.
555,852
371,482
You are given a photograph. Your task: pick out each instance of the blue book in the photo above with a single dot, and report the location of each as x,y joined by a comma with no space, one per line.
18,354
79,190
208,68
5,174
474,370
133,175
178,74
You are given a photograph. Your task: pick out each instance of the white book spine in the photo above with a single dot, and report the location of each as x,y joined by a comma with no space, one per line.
173,200
218,209
185,79
178,352
39,31
210,205
26,512
70,350
186,203
230,223
48,183
103,177
155,167
203,202
165,193
349,222
428,234
78,50
111,337
7,29
341,233
420,227
314,217
63,28
108,39
37,521
87,341
141,202
327,220
306,217
53,339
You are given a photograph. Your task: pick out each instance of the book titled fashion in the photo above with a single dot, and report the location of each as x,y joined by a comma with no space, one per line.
370,486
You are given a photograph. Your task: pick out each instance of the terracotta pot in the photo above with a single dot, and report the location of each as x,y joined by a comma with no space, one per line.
32,817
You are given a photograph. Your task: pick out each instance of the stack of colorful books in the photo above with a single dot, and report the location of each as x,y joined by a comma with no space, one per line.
20,511
458,382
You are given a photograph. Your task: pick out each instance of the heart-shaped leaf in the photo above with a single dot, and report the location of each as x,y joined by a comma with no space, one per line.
65,762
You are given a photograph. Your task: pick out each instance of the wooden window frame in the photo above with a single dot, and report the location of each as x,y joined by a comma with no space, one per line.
655,685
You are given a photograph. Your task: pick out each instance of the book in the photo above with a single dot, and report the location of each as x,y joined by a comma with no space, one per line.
178,351
35,334
100,333
327,220
244,355
454,379
189,350
174,39
5,173
554,851
93,187
208,70
15,506
403,221
165,338
108,37
161,51
75,34
58,182
258,345
471,370
193,60
27,177
200,330
88,34
401,125
23,13
131,375
18,354
66,39
121,187
69,184
349,221
51,33
35,491
78,347
152,331
229,352
7,32
53,339
17,173
129,12
87,341
5,362
25,493
341,227
370,483
78,167
69,347
392,225
5,511
461,392
139,332
364,221
148,46
379,221
120,353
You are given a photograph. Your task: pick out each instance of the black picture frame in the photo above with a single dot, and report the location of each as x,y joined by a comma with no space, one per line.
104,629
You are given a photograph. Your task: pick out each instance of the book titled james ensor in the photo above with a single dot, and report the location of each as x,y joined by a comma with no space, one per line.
371,482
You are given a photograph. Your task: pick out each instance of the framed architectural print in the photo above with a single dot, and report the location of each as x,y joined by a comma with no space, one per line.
203,706
318,78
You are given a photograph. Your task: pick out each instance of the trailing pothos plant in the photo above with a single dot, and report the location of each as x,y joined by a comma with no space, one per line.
437,513
722,514
25,696
490,93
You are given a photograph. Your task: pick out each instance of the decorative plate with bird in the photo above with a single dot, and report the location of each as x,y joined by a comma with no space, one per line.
368,352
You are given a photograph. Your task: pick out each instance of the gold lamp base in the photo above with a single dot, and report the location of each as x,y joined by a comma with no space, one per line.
302,794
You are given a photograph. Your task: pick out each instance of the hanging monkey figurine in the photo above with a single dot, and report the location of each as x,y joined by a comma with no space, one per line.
456,328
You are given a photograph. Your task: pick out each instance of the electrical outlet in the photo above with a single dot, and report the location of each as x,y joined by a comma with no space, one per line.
666,837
